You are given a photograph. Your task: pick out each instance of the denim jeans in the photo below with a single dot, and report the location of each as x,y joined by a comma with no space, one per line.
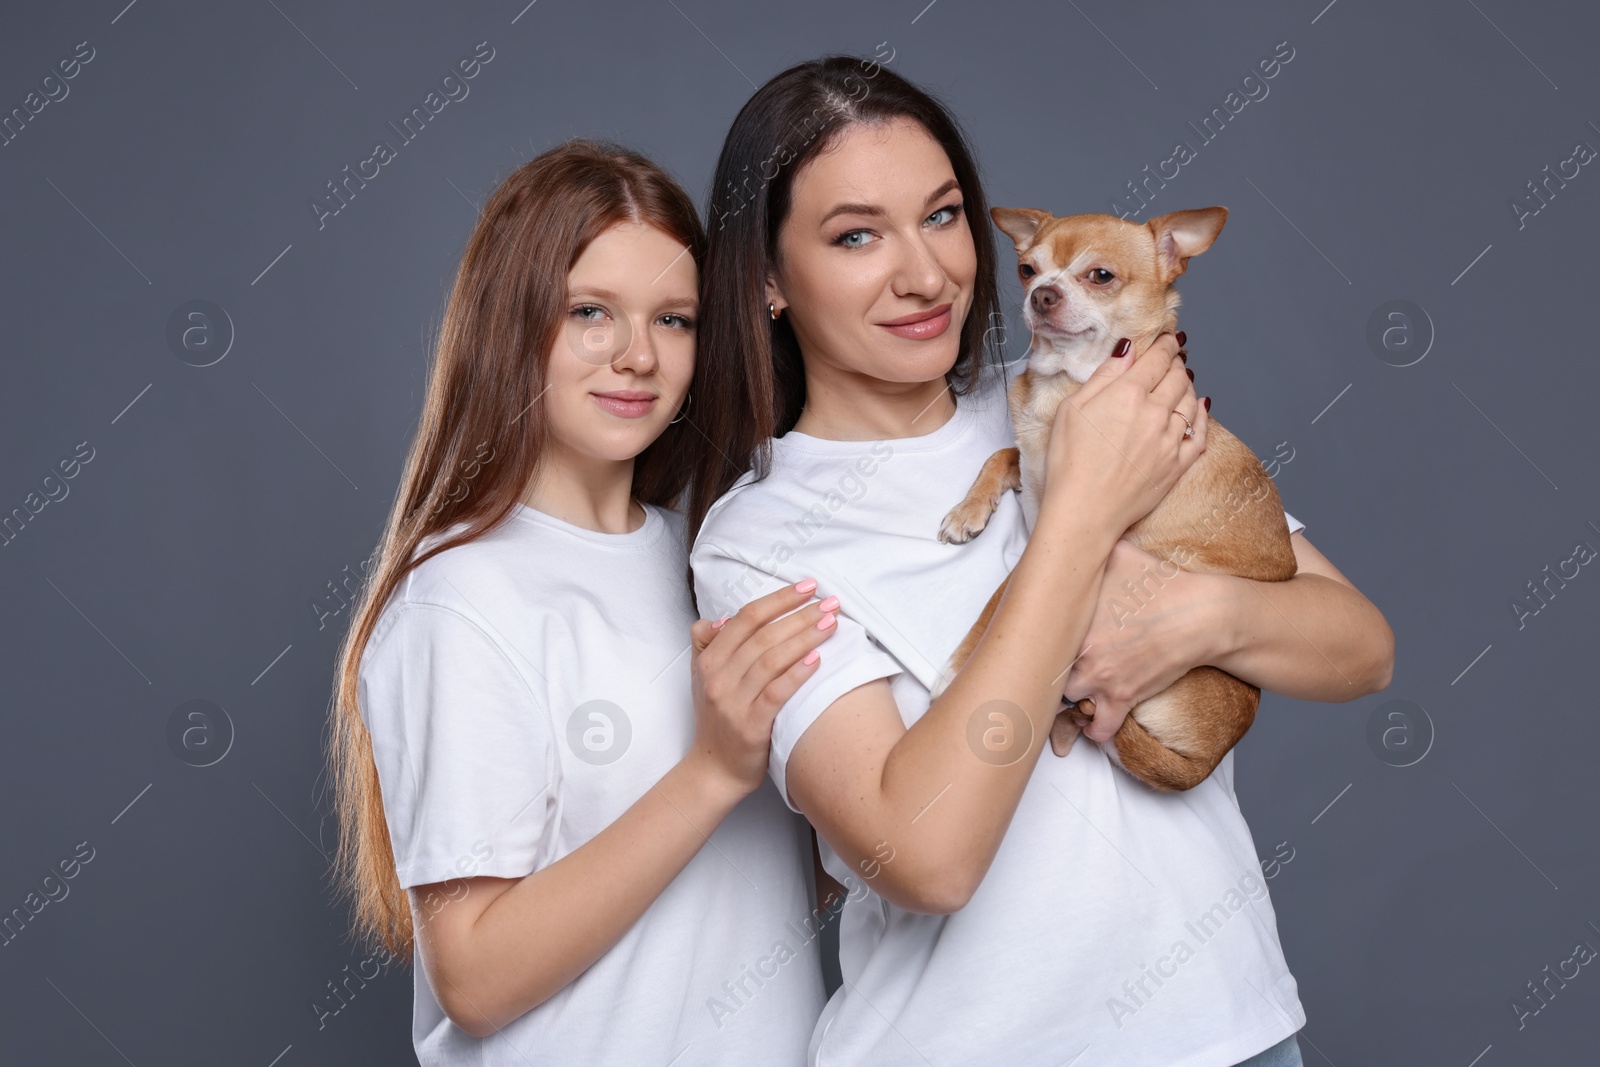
1285,1053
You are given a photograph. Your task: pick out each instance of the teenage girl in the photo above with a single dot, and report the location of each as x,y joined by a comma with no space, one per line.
551,776
1013,906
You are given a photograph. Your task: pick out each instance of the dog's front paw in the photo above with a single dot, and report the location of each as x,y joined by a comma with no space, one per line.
1063,732
965,521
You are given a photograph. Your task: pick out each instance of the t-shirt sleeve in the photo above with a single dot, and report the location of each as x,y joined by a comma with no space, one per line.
466,761
849,659
1295,525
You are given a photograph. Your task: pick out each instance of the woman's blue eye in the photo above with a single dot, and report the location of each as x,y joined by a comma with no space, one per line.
681,322
950,211
845,238
582,311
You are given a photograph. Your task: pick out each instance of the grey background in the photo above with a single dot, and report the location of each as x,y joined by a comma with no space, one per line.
184,561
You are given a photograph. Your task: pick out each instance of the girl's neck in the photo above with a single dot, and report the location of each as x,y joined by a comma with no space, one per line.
593,494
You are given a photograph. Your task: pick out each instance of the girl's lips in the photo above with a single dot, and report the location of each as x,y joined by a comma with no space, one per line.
624,406
922,329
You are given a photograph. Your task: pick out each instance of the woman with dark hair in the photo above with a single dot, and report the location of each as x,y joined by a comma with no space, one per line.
1003,906
527,765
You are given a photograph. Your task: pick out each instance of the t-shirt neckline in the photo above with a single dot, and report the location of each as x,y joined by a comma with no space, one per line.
648,531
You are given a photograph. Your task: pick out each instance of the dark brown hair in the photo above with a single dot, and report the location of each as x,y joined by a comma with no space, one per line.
754,379
482,433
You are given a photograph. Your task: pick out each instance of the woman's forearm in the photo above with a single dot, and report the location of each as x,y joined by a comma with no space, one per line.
540,934
961,803
1311,637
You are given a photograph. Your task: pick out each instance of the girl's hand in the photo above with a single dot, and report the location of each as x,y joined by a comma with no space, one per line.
744,667
1153,622
1116,444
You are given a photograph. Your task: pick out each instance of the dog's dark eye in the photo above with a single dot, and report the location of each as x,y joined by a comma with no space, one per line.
1101,276
1027,271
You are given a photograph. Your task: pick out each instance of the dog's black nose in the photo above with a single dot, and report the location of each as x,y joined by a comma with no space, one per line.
1044,298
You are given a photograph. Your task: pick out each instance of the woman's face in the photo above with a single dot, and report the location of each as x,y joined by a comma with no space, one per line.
620,367
875,260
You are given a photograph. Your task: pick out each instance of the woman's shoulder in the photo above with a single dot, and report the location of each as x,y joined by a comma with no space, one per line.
736,513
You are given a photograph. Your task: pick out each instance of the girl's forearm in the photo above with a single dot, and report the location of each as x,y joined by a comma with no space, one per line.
547,929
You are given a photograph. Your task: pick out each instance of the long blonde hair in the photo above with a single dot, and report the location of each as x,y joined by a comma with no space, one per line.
478,444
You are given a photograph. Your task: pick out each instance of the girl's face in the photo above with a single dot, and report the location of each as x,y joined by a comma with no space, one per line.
875,260
621,365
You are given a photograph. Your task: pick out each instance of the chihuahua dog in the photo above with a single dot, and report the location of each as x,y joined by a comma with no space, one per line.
1089,280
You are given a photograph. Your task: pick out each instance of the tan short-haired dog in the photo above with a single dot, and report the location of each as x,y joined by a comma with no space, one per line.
1089,280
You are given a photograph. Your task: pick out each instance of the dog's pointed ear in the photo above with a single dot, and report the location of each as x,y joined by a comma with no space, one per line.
1183,234
1019,223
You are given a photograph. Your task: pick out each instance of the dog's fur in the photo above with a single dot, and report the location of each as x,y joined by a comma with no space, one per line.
1174,739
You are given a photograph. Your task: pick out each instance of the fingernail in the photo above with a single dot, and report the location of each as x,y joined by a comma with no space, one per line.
718,624
1189,372
1208,403
1183,338
827,621
831,604
805,586
811,657
1183,356
1122,348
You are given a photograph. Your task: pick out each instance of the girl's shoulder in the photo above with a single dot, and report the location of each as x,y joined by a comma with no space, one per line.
505,573
533,565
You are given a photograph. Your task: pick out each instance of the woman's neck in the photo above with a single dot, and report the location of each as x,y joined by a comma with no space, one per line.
863,408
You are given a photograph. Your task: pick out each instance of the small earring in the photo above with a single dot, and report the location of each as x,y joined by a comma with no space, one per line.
684,412
772,311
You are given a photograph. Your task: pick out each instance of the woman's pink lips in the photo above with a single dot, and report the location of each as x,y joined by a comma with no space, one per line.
932,325
626,404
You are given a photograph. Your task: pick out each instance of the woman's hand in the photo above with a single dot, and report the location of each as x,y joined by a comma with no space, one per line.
1153,623
1117,444
744,667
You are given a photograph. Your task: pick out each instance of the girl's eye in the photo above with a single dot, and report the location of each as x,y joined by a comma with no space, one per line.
588,312
1026,270
678,322
951,212
848,238
1101,276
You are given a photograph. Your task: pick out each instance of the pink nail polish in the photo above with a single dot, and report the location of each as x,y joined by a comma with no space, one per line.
718,624
811,657
831,604
827,621
805,586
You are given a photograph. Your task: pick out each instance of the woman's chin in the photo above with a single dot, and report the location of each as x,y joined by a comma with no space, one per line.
921,361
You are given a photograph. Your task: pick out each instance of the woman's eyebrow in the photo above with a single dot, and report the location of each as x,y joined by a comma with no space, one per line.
854,209
874,211
947,187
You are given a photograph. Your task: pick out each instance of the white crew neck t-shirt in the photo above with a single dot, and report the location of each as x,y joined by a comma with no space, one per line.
1117,925
523,691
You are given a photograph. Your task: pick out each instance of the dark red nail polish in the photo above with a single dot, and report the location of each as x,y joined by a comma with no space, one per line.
1183,356
1208,403
1189,372
1183,338
1122,348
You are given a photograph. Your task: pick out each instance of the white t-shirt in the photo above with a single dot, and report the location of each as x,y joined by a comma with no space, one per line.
1117,924
522,692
